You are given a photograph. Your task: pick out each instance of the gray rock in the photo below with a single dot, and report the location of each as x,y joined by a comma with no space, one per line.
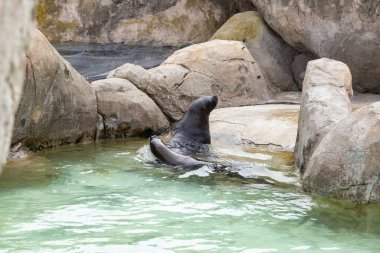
272,54
346,164
125,110
325,100
218,67
15,27
264,126
346,31
164,22
299,67
58,105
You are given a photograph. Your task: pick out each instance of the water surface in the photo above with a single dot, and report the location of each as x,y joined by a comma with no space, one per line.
95,61
112,197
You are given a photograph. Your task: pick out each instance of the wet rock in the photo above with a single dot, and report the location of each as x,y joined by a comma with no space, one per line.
347,31
273,127
218,67
15,26
273,55
143,22
325,101
58,105
346,164
125,110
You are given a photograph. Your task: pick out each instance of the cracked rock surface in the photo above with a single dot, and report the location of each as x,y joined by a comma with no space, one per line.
58,105
346,164
326,99
268,126
125,110
218,67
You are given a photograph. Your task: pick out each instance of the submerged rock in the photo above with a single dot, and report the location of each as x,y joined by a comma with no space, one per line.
218,67
143,22
273,127
125,110
346,31
325,101
15,27
272,54
58,105
346,163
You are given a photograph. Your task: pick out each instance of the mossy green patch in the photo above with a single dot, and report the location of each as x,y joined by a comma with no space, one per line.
243,26
46,13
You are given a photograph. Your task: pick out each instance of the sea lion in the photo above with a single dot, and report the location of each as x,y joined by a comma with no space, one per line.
193,131
170,157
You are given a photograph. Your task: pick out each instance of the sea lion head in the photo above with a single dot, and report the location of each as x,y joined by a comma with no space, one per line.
203,105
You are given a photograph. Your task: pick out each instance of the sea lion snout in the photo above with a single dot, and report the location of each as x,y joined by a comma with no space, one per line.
215,100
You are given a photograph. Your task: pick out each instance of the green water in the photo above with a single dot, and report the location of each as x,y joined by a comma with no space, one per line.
111,198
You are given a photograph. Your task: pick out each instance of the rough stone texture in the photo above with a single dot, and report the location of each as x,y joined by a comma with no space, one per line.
125,110
58,105
15,26
346,163
325,100
347,31
167,22
218,67
270,126
272,54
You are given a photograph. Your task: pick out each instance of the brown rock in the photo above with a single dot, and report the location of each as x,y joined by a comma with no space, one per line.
125,110
218,67
325,101
272,54
346,163
347,31
58,105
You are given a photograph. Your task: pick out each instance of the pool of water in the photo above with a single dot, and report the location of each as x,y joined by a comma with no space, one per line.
112,197
95,61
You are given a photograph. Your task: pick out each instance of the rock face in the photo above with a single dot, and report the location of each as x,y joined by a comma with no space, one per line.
15,25
58,105
346,163
125,110
272,54
218,67
347,31
299,67
325,101
167,22
271,126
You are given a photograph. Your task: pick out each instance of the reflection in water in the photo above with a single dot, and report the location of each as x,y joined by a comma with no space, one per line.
112,197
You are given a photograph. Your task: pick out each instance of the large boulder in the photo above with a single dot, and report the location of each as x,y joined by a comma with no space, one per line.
273,55
347,31
15,27
164,22
265,126
325,100
125,110
58,105
218,67
346,164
